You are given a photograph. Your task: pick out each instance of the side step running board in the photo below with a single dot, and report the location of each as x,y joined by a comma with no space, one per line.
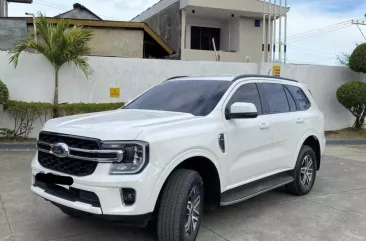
253,189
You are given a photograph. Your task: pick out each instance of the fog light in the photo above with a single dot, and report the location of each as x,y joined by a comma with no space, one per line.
128,196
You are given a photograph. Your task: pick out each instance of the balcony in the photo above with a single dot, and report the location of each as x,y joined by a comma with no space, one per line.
223,9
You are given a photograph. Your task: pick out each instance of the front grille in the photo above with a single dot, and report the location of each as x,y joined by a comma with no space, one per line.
75,142
67,165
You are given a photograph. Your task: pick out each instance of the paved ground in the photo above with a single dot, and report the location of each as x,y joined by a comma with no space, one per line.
335,210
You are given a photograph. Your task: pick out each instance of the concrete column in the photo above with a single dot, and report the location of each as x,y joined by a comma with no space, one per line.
183,30
2,8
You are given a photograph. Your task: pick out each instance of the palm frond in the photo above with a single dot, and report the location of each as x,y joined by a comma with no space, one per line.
24,45
59,43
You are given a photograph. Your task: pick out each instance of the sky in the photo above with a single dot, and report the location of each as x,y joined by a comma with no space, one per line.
304,16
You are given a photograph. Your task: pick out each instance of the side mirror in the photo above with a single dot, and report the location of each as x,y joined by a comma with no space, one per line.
241,110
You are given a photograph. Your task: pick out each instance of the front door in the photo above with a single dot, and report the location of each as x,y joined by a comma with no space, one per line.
249,149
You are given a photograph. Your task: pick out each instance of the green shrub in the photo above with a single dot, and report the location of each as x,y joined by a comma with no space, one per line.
352,95
25,114
82,108
4,94
357,60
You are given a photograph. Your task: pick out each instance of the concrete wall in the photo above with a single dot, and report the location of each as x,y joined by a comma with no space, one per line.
33,81
11,31
114,42
78,14
167,24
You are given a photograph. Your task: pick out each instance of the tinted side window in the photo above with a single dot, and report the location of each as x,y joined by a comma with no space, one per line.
276,97
291,101
247,93
300,97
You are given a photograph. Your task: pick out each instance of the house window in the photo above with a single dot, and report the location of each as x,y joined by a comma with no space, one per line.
257,23
201,38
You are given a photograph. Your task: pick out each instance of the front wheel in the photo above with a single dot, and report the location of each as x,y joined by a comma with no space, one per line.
304,173
181,207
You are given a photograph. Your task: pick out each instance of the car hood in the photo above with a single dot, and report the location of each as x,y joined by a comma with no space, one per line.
119,124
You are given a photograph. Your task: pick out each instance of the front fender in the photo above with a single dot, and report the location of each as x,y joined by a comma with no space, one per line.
178,160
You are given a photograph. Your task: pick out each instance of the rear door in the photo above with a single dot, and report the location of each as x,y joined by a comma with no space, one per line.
280,109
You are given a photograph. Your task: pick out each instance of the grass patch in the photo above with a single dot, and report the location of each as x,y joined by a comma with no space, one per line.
347,133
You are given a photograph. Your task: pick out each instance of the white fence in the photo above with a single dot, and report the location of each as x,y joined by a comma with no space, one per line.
33,80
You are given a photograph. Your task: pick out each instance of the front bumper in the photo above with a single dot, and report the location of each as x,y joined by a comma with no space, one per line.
108,190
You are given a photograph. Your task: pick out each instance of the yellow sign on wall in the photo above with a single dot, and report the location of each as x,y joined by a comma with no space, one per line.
114,92
276,70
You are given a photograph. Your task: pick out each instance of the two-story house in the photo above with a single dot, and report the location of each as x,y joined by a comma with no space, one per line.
189,26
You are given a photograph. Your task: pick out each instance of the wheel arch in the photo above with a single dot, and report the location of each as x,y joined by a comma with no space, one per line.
312,140
205,164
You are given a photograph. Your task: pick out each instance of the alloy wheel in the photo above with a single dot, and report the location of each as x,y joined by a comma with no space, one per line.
193,211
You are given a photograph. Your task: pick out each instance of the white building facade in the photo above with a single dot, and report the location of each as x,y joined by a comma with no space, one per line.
235,25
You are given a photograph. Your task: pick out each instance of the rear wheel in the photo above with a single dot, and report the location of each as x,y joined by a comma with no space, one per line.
304,173
181,206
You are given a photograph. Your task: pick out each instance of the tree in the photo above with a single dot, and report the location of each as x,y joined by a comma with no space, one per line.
4,94
357,60
352,96
59,43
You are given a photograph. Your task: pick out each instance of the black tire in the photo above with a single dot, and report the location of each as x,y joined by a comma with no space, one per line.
70,212
301,186
182,186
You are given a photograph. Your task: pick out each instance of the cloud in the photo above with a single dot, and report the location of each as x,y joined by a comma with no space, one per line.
324,46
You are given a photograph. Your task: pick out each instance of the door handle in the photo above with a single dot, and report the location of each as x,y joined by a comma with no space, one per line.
264,126
299,120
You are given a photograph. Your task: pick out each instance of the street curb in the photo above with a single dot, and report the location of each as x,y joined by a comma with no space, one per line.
18,146
333,142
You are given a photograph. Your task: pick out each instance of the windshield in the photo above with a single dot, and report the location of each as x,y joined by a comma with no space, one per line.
197,97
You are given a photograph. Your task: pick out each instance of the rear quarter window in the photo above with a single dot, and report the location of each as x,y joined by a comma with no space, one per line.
300,97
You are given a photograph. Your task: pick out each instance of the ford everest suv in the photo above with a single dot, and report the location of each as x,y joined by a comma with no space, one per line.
186,143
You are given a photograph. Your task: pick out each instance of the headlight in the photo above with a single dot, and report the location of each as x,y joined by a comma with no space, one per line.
135,156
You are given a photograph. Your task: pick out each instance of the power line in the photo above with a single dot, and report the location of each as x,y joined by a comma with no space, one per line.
310,53
317,34
310,50
61,7
319,29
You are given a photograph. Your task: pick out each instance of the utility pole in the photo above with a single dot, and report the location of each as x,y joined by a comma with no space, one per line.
3,8
357,23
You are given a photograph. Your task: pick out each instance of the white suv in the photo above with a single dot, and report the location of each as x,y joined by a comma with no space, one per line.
186,143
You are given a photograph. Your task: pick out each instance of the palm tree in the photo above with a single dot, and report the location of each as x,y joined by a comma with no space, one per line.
60,44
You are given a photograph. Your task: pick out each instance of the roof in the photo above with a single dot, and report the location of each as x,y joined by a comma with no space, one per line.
232,78
113,24
80,7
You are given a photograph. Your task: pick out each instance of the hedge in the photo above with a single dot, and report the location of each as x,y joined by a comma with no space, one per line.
25,114
357,60
82,108
352,95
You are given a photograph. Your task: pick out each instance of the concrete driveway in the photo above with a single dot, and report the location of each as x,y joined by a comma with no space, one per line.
335,209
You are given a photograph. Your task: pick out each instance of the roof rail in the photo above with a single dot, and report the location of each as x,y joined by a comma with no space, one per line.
260,76
177,77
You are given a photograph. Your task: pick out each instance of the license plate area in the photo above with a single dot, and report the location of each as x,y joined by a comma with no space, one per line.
59,186
54,179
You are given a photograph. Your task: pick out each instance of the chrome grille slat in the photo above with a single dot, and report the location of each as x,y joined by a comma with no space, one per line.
83,154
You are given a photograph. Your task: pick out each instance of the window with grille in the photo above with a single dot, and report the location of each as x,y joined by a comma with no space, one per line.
201,38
